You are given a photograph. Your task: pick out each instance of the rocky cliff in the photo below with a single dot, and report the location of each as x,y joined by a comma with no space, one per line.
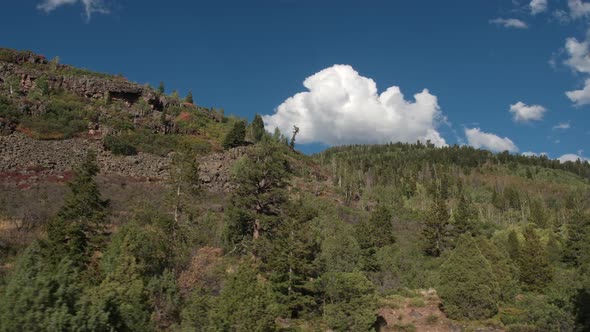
26,68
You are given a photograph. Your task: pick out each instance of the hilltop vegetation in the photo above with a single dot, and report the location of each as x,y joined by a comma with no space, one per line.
355,238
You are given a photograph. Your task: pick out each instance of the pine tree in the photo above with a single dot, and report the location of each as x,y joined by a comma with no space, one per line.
349,301
184,176
468,286
436,229
189,97
76,230
504,269
161,89
373,234
39,296
535,270
290,260
538,215
257,128
120,301
578,237
292,142
245,303
257,203
513,246
577,243
465,218
236,136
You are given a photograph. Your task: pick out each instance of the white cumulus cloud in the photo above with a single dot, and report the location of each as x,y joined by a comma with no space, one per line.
578,8
343,107
524,113
578,55
479,139
530,154
509,23
538,6
90,6
571,157
580,97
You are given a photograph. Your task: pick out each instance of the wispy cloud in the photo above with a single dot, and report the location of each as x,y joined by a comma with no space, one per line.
90,6
562,126
524,113
509,23
578,8
538,6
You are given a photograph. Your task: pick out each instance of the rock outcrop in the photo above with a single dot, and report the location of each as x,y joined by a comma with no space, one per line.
28,67
20,154
25,159
215,169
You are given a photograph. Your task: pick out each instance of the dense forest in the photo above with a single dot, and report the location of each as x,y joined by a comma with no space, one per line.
355,238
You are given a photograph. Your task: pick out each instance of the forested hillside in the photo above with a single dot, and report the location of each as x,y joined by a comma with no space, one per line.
396,237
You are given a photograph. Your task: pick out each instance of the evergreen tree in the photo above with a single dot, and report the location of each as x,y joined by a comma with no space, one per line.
161,89
373,234
292,142
39,296
554,250
349,301
189,97
236,136
120,301
436,229
76,230
535,270
538,215
184,176
577,243
498,200
513,246
290,260
245,304
504,269
465,218
340,250
468,286
195,312
257,128
257,203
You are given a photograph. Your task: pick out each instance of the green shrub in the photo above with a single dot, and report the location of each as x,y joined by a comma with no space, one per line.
119,146
351,301
431,319
417,302
522,328
66,116
147,141
7,109
7,55
409,327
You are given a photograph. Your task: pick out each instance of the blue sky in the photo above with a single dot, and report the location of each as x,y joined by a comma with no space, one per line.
475,57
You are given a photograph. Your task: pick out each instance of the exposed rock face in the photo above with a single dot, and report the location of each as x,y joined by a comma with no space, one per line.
20,154
215,169
86,85
27,159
